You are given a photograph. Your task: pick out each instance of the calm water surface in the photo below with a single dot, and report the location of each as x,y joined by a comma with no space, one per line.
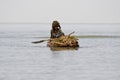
98,57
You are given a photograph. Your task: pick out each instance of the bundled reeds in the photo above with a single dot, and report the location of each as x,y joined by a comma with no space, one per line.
64,41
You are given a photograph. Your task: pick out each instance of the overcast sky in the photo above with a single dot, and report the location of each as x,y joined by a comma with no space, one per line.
66,11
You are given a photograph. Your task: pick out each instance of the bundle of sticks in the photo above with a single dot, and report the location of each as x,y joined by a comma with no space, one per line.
64,41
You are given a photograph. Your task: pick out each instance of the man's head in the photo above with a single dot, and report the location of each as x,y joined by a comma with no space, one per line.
55,25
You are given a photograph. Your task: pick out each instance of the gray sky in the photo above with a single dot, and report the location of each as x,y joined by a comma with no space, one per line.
66,11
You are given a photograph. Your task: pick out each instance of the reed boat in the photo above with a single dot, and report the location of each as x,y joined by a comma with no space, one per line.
63,41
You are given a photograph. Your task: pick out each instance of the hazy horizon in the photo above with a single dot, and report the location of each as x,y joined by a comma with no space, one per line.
65,11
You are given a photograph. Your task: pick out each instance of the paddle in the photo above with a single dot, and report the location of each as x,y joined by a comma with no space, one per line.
71,33
40,41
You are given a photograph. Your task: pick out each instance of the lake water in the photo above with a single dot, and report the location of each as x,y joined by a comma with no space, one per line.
98,57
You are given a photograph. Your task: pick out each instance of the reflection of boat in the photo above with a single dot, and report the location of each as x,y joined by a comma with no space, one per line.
64,41
63,48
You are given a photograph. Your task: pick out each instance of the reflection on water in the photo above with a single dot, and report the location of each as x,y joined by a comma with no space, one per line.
63,48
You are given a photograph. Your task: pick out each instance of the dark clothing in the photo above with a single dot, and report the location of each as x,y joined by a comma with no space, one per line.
57,34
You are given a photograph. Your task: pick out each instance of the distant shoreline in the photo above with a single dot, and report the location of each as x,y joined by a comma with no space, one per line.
60,23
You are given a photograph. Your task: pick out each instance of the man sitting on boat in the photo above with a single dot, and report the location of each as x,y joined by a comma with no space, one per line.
58,39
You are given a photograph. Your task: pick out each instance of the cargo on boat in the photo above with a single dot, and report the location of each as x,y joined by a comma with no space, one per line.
64,41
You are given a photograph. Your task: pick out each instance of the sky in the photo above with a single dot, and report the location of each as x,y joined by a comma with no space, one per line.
65,11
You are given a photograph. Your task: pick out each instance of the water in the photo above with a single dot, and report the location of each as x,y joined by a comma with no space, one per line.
97,58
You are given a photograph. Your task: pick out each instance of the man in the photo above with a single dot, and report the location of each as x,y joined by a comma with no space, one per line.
56,31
